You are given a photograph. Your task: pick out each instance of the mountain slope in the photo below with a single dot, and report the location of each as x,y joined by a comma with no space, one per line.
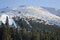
31,12
39,13
53,10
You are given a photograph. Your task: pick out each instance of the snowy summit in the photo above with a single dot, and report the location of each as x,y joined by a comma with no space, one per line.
34,12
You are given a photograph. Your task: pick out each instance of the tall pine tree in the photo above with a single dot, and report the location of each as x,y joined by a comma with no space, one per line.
6,31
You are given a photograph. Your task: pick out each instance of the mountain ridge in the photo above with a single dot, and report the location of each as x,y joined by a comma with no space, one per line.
33,12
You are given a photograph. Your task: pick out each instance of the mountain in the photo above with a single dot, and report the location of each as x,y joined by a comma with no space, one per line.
53,10
38,14
3,10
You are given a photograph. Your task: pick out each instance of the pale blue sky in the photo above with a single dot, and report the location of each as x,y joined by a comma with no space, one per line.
45,3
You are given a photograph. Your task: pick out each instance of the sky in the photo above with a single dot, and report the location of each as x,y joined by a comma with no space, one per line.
44,3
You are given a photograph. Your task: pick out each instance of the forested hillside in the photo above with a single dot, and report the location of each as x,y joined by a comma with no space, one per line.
23,31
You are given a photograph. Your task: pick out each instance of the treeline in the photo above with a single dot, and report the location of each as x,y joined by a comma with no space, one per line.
8,32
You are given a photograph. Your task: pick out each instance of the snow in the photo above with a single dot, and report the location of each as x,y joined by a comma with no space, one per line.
3,18
28,23
10,20
52,10
31,12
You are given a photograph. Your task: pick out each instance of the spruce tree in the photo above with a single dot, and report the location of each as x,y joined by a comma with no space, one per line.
6,31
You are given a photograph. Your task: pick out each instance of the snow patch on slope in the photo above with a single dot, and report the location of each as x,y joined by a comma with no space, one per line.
28,23
3,19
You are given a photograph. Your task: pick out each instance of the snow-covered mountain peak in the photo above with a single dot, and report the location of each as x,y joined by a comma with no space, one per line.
32,12
37,11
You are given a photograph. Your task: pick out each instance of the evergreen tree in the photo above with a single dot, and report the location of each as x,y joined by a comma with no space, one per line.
6,31
7,21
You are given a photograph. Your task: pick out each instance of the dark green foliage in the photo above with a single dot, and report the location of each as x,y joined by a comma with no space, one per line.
6,31
40,31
